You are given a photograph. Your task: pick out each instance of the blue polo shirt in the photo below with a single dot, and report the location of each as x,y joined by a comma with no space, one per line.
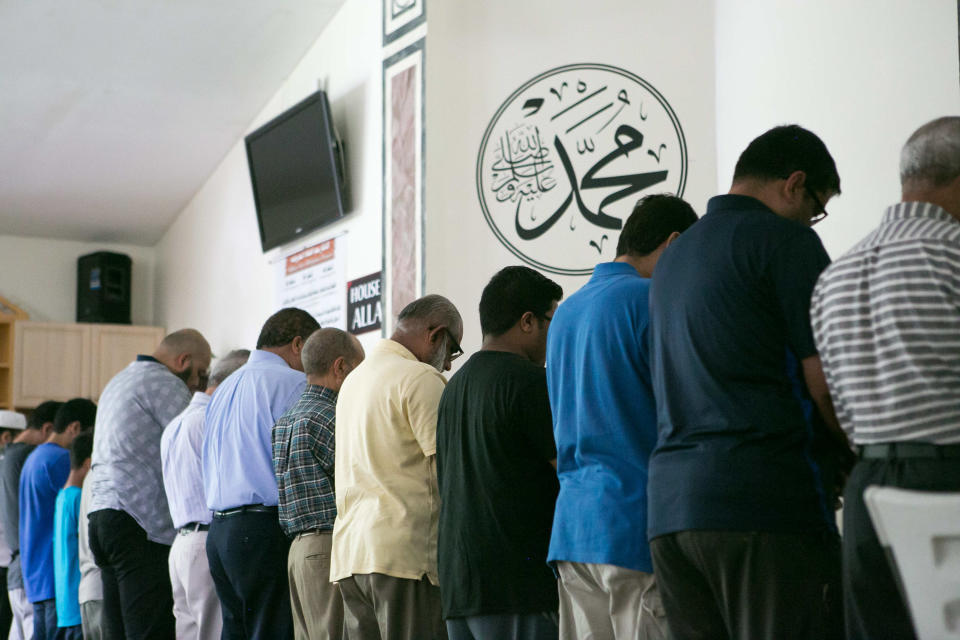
729,304
604,421
237,452
44,474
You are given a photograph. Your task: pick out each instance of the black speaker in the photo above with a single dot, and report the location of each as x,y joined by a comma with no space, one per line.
103,288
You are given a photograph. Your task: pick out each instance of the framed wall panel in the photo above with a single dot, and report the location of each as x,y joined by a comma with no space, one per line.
403,174
402,16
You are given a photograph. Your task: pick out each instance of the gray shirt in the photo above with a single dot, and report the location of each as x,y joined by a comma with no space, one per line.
91,584
11,464
125,473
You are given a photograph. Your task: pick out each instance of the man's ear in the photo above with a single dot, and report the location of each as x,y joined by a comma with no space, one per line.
528,321
297,345
46,429
74,428
793,186
435,334
670,238
182,362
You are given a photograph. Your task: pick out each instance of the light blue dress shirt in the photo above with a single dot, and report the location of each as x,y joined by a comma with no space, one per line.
180,448
237,453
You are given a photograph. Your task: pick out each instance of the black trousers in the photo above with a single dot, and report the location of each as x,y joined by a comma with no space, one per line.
749,585
6,613
248,561
137,596
873,606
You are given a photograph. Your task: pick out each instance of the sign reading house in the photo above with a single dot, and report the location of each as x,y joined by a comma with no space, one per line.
566,157
364,309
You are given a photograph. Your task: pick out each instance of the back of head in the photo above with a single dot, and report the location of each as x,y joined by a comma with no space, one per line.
77,410
430,311
184,341
324,347
512,292
44,413
783,150
931,156
653,220
282,327
227,365
81,449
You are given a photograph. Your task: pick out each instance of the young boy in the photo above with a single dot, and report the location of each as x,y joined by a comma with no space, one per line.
66,563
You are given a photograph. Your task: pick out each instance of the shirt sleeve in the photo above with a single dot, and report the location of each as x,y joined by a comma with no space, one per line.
421,402
538,420
321,438
794,268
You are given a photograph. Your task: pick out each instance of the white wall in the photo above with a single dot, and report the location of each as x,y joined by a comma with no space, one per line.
39,275
211,272
478,53
862,74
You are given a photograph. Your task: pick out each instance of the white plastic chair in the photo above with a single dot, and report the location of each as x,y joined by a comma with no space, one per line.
923,531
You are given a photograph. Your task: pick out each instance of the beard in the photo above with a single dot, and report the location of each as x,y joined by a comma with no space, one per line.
439,356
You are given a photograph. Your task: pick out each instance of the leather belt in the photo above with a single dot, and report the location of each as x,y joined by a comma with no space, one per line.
893,450
192,528
312,532
247,508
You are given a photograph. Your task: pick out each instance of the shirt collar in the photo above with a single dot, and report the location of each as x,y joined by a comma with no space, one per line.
904,210
267,357
200,399
391,346
143,358
732,201
317,392
605,269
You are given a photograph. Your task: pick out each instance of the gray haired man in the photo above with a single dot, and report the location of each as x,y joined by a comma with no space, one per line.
885,322
195,604
303,453
385,537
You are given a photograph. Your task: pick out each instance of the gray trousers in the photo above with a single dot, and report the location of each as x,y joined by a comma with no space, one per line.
316,602
507,626
380,607
91,618
606,602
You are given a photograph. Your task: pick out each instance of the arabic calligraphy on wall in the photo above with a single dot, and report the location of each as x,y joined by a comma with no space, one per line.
566,157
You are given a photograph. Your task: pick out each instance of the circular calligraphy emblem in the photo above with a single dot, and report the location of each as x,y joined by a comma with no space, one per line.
567,156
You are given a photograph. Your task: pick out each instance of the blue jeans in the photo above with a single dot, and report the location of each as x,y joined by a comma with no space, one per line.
45,620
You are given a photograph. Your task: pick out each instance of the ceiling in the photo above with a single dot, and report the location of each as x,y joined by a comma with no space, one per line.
113,113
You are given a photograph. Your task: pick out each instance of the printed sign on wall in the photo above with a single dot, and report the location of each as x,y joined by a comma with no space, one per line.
364,308
566,157
312,279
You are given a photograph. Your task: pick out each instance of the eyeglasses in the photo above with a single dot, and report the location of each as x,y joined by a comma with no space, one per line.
455,350
821,210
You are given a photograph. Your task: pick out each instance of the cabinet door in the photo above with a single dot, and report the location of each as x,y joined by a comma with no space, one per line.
116,346
51,362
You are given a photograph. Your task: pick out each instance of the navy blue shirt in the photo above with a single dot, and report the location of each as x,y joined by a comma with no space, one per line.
730,299
604,421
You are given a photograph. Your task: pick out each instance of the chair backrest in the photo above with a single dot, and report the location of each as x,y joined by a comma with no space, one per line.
922,530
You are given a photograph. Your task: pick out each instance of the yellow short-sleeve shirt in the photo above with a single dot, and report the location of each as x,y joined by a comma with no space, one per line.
386,482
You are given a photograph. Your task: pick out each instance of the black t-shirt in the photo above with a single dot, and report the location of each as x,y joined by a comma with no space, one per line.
11,464
497,488
730,299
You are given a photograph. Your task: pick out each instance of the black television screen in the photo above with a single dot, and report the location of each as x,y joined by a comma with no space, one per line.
296,172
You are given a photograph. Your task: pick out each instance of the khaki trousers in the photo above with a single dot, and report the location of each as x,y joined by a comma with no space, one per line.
316,602
606,602
91,619
195,603
381,607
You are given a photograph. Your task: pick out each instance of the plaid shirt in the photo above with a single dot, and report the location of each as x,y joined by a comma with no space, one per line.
303,440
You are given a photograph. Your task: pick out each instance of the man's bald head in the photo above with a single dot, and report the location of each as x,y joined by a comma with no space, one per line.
187,354
329,355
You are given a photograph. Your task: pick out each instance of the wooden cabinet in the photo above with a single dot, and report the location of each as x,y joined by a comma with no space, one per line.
55,361
10,314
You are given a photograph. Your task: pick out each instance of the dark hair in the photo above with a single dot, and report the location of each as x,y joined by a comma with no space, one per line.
282,327
653,219
81,449
44,413
785,149
512,292
78,409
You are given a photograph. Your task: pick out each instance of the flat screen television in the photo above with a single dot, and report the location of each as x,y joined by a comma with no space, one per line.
296,169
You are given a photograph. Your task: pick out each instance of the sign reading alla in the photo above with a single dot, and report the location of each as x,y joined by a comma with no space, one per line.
364,309
566,157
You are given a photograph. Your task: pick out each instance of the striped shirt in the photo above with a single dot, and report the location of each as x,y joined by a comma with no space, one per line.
886,320
303,441
181,447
